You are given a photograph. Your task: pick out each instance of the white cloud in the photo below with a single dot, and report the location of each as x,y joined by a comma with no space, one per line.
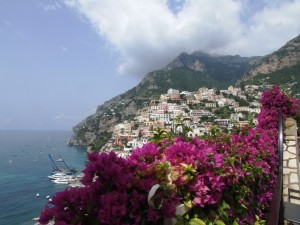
51,7
270,28
148,34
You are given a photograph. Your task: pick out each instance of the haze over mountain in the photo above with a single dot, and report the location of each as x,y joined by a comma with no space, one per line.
190,72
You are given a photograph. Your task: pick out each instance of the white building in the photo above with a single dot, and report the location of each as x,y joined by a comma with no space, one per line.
173,94
200,113
242,109
197,132
221,103
173,91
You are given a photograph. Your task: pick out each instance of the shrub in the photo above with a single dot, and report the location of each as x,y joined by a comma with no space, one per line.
223,179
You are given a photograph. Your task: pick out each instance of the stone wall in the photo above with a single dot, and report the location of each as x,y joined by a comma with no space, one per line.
290,159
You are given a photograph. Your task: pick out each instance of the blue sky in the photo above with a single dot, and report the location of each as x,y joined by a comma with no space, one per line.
60,59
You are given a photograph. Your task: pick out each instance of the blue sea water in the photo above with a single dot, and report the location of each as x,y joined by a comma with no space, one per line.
24,167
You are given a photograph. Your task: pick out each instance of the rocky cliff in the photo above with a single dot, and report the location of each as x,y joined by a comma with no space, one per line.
287,56
189,72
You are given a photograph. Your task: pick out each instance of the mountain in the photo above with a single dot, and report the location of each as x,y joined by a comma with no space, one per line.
222,71
281,67
189,72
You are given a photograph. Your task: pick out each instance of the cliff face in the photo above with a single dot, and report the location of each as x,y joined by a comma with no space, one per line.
97,128
225,69
287,56
189,72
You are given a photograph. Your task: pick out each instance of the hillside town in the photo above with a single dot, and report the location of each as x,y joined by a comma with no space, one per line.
201,109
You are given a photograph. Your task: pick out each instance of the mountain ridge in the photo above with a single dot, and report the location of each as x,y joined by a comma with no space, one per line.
190,72
286,56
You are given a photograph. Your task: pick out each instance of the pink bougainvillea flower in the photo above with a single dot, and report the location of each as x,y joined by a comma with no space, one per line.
225,177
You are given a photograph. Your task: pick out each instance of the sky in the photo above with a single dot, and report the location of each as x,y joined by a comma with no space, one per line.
60,59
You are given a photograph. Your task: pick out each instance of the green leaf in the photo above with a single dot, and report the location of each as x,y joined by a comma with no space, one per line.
235,223
244,206
188,203
197,221
224,205
219,222
224,214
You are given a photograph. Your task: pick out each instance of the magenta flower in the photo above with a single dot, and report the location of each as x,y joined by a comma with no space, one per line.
226,177
153,215
180,152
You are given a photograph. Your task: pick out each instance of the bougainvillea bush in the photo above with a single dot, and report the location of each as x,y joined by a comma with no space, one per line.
220,179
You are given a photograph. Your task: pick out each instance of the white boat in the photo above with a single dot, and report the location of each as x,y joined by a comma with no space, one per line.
60,176
67,170
70,179
79,176
61,181
36,219
64,180
56,175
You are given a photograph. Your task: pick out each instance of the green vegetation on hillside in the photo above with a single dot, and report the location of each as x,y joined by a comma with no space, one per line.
161,81
224,112
189,72
289,77
186,79
103,138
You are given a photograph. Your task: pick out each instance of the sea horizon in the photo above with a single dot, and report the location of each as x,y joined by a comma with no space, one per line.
24,167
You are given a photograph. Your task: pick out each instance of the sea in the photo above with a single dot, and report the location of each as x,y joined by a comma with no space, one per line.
24,167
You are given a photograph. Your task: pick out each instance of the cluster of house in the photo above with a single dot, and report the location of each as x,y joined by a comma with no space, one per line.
198,107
